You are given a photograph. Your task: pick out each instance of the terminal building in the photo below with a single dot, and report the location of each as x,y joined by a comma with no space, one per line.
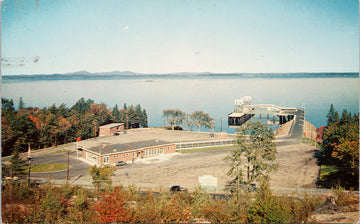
109,154
111,129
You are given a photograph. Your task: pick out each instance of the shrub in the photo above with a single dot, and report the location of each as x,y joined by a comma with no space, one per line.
53,205
268,208
343,198
112,208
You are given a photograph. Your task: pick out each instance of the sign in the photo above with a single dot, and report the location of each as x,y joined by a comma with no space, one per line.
208,182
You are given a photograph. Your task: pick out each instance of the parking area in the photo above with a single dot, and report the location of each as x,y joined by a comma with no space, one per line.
297,166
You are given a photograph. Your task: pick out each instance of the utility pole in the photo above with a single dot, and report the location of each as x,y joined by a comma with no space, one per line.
127,120
221,124
29,160
94,130
304,123
67,174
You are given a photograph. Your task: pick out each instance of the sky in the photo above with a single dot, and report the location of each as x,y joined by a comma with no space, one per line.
166,36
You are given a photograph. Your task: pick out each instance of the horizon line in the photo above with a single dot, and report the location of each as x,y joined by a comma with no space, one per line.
174,73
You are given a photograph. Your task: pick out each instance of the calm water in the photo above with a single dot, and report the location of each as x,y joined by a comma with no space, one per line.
214,95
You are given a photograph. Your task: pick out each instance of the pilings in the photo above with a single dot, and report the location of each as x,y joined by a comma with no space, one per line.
239,120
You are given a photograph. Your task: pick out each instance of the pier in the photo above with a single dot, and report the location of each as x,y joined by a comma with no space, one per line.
274,115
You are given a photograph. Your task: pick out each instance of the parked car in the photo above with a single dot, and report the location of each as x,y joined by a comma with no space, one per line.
116,133
120,163
243,186
176,188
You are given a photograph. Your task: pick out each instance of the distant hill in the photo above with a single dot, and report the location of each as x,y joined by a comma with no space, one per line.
83,75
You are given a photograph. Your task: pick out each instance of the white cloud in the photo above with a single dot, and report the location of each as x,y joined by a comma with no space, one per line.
126,27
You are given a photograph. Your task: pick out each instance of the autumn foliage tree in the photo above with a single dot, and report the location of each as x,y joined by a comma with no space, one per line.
112,208
57,125
340,145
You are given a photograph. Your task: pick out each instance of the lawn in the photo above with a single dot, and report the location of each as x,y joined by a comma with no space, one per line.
326,170
48,167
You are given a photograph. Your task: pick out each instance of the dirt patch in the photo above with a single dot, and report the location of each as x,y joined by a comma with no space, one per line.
298,166
297,169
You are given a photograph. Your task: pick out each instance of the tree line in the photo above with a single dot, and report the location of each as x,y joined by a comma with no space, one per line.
340,148
175,118
51,126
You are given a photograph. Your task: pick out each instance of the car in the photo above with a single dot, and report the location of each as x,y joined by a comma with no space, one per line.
116,133
176,188
120,163
243,186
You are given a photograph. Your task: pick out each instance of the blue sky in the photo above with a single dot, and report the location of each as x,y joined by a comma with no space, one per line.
164,36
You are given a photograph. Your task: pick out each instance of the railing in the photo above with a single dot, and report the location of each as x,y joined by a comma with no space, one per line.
204,144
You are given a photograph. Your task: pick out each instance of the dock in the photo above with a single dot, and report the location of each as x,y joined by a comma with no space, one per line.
275,115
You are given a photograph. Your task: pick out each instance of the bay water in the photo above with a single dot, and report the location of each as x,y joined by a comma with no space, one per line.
214,95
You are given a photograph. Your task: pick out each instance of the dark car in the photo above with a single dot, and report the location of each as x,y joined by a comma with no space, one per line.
176,188
120,163
243,186
116,133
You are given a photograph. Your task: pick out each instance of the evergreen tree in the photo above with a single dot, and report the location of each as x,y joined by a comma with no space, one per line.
116,114
333,115
7,105
134,119
144,121
17,166
81,106
256,144
21,103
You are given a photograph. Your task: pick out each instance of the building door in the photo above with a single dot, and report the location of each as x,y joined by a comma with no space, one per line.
106,160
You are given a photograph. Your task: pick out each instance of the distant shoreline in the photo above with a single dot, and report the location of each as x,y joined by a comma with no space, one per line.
132,75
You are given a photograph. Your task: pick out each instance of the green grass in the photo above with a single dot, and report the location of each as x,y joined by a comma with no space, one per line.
186,151
47,167
326,170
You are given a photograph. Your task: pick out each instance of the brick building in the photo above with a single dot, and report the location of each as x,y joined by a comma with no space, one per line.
111,129
108,154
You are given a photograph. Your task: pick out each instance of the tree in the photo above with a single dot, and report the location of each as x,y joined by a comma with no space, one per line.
199,119
64,126
174,117
17,166
21,103
81,106
340,147
112,208
144,120
102,114
333,115
8,138
133,117
7,105
116,114
101,175
255,143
